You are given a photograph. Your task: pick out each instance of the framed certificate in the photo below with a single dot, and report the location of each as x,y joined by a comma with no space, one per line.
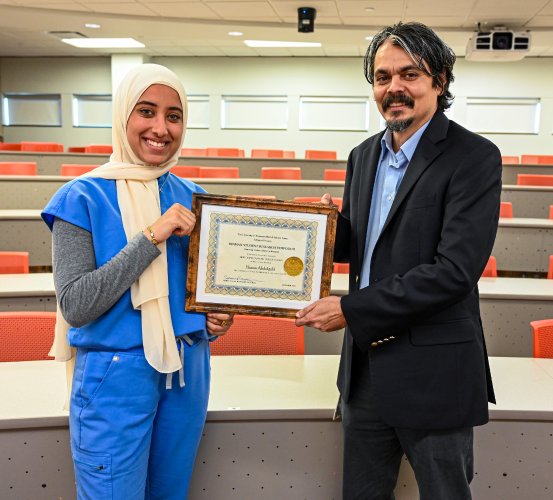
251,256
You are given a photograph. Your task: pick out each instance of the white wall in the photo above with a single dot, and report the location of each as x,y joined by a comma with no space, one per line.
293,77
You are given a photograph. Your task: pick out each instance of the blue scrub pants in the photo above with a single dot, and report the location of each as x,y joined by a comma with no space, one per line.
131,438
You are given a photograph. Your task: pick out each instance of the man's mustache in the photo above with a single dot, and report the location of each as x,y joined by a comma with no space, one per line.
397,99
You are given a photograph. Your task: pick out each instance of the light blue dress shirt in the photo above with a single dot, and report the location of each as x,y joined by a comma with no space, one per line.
389,174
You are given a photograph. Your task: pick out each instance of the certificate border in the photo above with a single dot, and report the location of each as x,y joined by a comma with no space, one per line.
198,200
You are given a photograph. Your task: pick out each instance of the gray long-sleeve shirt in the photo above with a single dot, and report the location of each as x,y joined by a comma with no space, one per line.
85,292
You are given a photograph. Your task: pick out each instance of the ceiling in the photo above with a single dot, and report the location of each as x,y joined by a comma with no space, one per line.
200,27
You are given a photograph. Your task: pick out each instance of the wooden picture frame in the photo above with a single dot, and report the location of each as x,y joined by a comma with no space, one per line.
263,257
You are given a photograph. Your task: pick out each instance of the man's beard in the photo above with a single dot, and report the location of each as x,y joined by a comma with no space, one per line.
399,125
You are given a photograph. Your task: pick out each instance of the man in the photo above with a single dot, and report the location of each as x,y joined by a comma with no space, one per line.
419,217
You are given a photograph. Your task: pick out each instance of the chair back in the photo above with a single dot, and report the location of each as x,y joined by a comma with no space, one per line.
490,271
189,171
225,152
105,149
74,169
317,154
75,149
289,154
18,168
44,147
220,172
506,209
26,335
550,269
510,160
334,174
250,335
543,338
10,146
193,152
267,153
551,211
289,173
341,268
534,180
317,199
537,159
14,262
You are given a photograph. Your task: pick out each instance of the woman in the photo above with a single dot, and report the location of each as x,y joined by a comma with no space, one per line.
120,252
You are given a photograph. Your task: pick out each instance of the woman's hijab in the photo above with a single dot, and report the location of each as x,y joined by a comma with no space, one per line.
138,197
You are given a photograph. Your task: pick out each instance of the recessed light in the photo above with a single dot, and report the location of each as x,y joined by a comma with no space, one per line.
104,43
235,33
93,26
369,9
276,43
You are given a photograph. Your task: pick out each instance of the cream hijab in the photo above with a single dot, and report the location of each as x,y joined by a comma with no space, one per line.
138,197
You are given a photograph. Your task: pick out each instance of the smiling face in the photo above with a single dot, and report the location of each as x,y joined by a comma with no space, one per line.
155,125
405,94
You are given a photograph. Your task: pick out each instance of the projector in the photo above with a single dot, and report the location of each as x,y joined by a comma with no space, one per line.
498,45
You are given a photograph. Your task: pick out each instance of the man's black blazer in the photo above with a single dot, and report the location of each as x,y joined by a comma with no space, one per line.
430,369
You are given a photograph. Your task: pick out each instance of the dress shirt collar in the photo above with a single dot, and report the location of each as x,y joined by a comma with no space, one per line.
408,148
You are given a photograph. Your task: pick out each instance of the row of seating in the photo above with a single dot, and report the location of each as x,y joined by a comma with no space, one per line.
528,160
506,210
490,270
28,335
189,171
54,147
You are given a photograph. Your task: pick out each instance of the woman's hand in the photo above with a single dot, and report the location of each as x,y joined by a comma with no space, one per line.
219,323
177,220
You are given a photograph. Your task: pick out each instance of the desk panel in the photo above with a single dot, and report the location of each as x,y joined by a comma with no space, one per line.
510,172
529,201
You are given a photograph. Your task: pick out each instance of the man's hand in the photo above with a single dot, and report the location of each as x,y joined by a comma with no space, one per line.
325,315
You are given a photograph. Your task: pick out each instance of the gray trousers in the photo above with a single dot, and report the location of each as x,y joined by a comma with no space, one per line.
442,460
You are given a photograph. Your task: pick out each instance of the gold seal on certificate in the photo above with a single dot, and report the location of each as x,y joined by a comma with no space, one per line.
293,266
258,257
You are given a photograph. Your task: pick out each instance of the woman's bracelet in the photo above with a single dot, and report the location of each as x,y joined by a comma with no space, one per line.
152,236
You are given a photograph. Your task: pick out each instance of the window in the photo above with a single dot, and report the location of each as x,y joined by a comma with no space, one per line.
503,115
34,110
92,110
334,113
254,112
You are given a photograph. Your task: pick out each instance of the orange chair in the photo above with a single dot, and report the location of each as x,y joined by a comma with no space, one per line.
289,154
550,270
506,209
537,159
225,152
193,152
75,149
74,169
220,172
315,154
290,173
104,149
10,146
14,262
510,160
490,271
267,153
543,338
334,174
26,335
260,335
18,168
341,268
258,196
43,147
315,199
534,180
551,211
189,171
